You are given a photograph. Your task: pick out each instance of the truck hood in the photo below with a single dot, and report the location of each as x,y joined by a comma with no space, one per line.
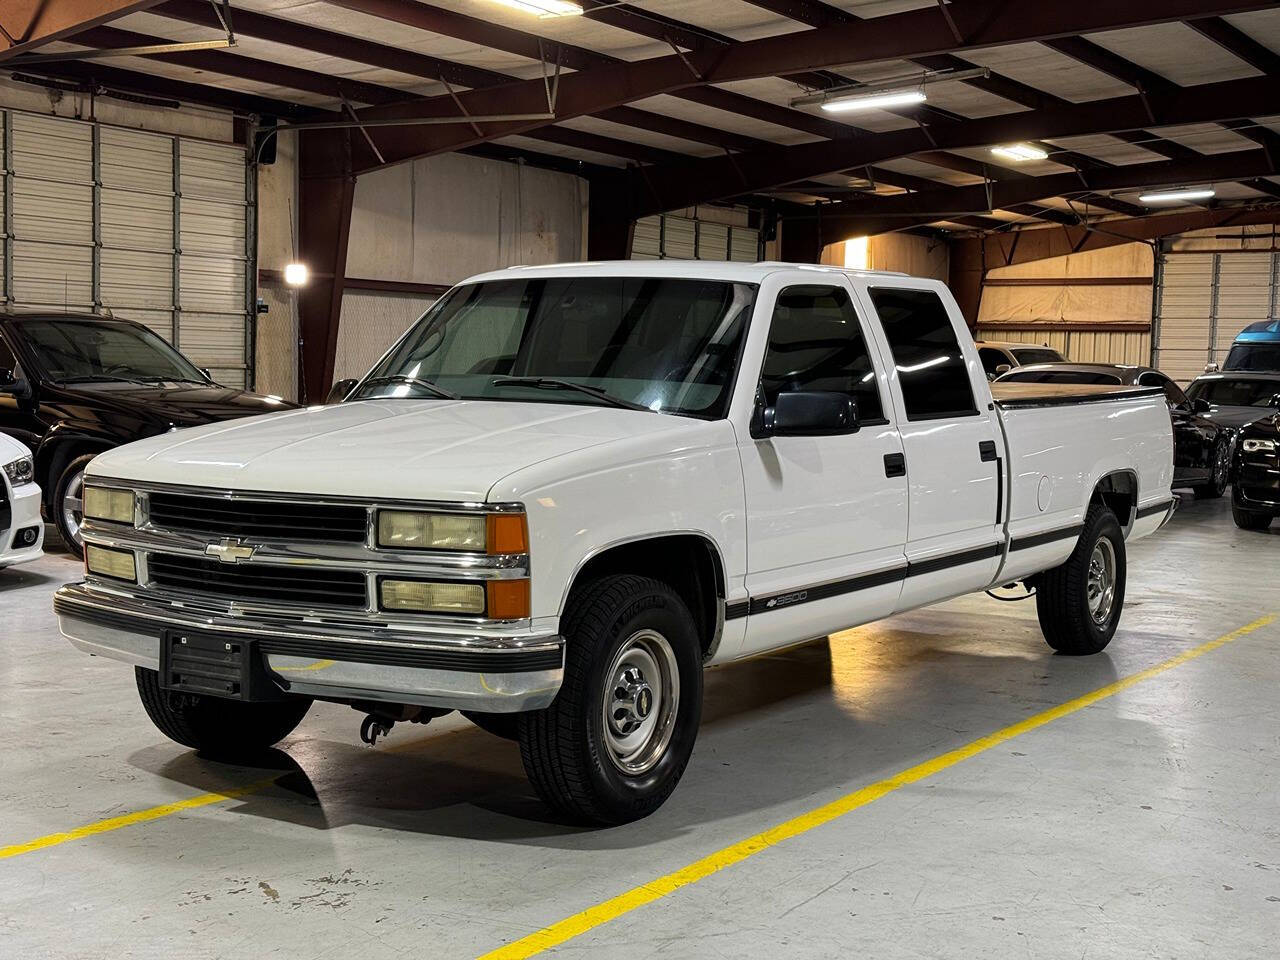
395,449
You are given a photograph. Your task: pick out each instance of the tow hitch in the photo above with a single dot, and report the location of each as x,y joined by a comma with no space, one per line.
381,717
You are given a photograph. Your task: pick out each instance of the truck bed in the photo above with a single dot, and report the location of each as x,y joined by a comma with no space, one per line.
1014,395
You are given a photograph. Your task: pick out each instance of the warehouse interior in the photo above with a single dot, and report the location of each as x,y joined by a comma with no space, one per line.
279,189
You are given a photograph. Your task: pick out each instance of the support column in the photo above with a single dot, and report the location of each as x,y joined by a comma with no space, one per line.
965,274
325,192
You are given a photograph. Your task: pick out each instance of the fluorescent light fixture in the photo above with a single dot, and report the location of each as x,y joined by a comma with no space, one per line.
855,253
1020,152
295,274
877,100
1178,196
544,8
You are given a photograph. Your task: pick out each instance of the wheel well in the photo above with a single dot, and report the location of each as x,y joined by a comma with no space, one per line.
1119,492
688,563
53,458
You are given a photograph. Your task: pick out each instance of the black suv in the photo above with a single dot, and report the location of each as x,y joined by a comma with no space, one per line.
74,385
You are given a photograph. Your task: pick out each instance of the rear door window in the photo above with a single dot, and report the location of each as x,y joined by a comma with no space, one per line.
931,366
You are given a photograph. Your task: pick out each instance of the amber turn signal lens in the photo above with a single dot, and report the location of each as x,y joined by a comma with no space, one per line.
508,599
508,533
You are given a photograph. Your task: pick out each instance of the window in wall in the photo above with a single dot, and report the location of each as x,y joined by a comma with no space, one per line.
816,343
931,366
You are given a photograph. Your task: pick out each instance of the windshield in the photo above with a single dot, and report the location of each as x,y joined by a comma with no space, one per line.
1235,393
1059,376
669,345
1253,356
1037,355
71,350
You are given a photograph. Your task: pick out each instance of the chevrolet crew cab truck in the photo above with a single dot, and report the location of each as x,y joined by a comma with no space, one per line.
568,490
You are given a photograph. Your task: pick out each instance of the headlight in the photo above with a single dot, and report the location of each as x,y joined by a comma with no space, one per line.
104,503
495,599
117,564
20,471
1256,446
480,533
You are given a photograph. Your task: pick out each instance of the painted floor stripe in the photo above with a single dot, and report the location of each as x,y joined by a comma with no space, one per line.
592,917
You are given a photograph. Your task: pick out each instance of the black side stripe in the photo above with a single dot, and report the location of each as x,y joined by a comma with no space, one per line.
1153,509
1051,536
824,591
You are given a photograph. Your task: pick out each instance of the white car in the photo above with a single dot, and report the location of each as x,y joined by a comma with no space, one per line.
569,489
21,529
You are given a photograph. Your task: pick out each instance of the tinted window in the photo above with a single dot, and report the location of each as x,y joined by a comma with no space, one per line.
1253,356
85,350
816,343
7,359
669,344
992,358
1173,394
1234,393
931,367
1061,376
1037,355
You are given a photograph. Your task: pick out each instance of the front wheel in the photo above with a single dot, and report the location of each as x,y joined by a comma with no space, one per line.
614,743
68,504
1248,519
1079,602
227,729
1218,474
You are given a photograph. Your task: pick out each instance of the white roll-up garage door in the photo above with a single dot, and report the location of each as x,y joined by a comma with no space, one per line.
151,227
1204,300
665,237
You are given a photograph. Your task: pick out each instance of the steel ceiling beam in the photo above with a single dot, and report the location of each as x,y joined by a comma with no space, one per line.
1260,57
26,25
684,184
982,23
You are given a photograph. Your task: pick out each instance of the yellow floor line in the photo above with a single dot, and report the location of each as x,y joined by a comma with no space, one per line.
615,907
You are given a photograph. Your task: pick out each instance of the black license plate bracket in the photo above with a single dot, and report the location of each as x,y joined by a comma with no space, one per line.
232,668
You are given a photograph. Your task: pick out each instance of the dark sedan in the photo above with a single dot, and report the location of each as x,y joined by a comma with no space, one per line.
1235,398
1201,448
1255,496
72,386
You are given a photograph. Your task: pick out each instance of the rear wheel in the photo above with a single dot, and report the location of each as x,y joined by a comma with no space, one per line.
1218,474
615,742
1079,602
68,504
227,729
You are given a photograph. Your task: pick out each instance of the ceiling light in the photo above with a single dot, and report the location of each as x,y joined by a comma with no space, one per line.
1178,196
877,100
1020,152
295,274
544,8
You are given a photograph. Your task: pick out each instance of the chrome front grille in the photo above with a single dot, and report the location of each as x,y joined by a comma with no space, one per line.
278,520
304,585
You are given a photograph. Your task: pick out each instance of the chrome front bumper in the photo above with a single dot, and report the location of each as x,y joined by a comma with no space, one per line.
340,661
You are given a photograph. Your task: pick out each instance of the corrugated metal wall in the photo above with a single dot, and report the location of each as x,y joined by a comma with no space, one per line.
672,237
152,227
372,322
1081,346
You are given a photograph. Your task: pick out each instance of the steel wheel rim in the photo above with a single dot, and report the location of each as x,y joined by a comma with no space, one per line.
73,507
1100,589
640,703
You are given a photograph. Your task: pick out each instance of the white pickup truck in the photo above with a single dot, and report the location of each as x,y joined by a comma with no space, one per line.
568,490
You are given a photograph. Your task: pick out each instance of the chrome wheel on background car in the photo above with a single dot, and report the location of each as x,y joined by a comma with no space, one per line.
72,507
641,705
67,508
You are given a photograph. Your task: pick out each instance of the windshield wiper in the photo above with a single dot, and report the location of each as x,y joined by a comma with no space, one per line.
414,381
150,379
555,383
97,378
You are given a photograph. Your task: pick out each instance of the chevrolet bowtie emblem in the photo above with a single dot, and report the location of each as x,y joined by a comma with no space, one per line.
230,550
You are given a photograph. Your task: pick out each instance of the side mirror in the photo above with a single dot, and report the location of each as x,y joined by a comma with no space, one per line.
810,413
1002,368
7,379
12,385
1201,405
207,375
1212,366
341,390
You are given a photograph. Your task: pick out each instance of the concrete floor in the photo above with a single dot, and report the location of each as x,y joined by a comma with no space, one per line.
1146,825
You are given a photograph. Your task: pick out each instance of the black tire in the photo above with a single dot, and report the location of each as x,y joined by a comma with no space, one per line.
567,752
222,728
504,725
1063,593
1249,519
70,472
1219,473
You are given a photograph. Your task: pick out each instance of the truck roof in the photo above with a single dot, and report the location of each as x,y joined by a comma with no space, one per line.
695,269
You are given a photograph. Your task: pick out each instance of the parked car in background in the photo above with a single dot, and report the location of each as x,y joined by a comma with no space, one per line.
1201,447
1235,398
998,356
21,529
1255,496
72,386
1257,347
